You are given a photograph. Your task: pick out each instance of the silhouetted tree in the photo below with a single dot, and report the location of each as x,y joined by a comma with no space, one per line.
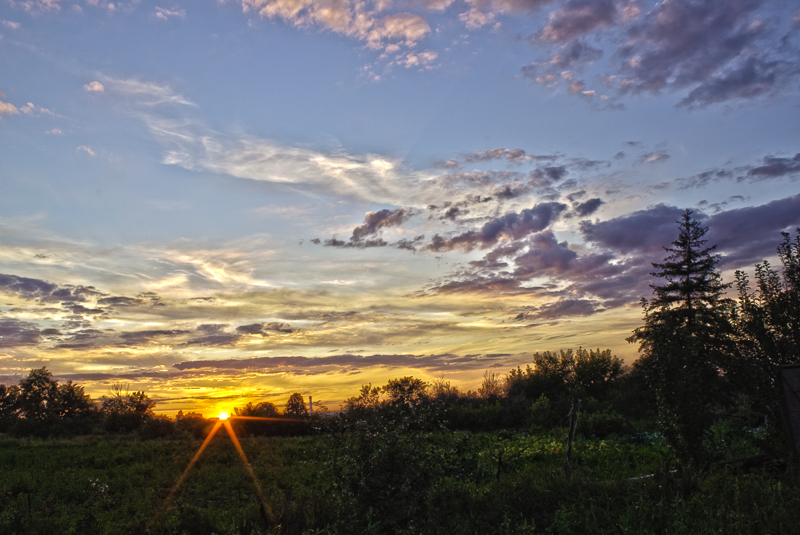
296,406
550,376
593,372
686,338
73,402
260,410
405,392
368,398
38,396
767,321
491,386
126,411
9,406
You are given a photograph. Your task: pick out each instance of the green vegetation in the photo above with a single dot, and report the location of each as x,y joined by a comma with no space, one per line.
686,440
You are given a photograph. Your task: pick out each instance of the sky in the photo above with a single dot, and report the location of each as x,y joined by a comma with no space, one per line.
219,202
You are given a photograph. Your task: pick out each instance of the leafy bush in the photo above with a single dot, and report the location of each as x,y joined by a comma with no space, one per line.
603,424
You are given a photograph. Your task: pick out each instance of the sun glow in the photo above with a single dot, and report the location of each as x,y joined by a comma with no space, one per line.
223,415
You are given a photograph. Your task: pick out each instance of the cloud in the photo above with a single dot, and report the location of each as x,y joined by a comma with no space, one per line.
15,333
562,308
11,24
743,236
374,221
709,47
31,109
573,54
644,230
577,17
475,19
707,51
548,174
87,150
299,365
36,6
654,157
353,19
510,155
148,337
164,14
189,144
748,235
587,208
43,291
263,329
775,167
7,108
94,87
509,226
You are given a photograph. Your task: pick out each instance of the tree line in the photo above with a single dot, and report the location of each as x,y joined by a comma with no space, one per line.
40,406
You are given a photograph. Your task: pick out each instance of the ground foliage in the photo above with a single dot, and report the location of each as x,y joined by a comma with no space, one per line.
390,475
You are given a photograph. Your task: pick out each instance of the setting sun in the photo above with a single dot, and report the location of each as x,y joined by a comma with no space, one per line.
223,415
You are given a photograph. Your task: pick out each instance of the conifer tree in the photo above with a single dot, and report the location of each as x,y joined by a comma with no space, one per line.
686,339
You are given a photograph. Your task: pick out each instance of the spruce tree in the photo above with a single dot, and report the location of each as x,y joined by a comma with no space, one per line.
686,339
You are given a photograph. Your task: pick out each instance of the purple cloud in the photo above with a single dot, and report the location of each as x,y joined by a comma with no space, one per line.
578,17
511,226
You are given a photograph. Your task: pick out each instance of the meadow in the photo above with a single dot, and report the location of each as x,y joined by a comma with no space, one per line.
391,476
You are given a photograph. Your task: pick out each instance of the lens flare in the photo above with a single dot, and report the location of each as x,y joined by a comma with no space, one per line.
224,421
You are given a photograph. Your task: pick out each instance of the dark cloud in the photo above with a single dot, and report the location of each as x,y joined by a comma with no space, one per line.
81,310
253,328
510,155
559,309
743,236
577,17
751,78
310,365
409,244
507,191
713,52
548,257
86,338
362,244
374,221
706,177
644,230
544,175
748,235
43,291
588,208
770,168
775,167
708,46
519,5
511,226
121,301
214,335
575,195
144,338
15,333
479,178
576,53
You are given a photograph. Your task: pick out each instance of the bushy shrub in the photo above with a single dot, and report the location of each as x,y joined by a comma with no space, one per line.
603,424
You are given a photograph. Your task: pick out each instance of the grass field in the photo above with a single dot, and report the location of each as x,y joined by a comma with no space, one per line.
385,480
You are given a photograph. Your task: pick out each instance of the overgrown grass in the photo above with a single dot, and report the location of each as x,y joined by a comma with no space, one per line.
388,480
